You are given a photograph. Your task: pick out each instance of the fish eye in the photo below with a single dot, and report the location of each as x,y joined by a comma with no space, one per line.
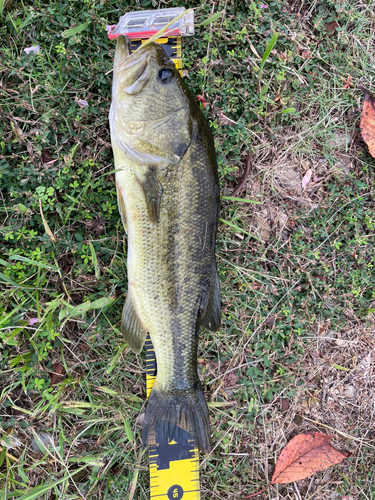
166,75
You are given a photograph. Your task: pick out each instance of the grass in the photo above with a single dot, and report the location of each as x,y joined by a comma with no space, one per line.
296,268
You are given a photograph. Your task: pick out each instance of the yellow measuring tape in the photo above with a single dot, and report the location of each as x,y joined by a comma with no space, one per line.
172,47
174,468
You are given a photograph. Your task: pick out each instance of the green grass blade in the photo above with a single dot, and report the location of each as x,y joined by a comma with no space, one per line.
242,200
75,30
160,32
5,318
13,23
114,360
44,488
267,52
9,280
211,19
233,226
75,201
94,260
2,456
33,262
128,430
289,110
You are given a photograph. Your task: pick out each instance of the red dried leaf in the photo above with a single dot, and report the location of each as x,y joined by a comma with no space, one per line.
368,121
305,455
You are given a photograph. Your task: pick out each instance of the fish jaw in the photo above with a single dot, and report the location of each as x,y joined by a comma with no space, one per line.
130,74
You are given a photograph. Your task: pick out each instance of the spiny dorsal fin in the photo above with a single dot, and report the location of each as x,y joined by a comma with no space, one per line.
152,190
210,316
131,327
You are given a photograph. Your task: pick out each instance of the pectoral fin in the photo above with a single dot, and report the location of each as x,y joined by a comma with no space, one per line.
210,316
131,327
152,190
121,207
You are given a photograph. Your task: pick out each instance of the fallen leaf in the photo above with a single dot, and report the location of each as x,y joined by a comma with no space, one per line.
348,82
305,455
306,178
368,121
231,379
140,419
242,182
330,28
284,402
57,374
47,158
45,223
289,178
305,53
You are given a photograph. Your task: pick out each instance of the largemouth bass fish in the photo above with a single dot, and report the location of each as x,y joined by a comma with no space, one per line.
168,198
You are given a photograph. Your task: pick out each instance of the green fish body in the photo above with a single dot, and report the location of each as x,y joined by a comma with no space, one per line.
168,197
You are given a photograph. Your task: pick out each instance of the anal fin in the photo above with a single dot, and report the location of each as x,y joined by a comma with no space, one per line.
131,328
211,317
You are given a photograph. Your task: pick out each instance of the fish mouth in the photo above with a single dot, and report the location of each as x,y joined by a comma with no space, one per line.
125,59
132,71
122,50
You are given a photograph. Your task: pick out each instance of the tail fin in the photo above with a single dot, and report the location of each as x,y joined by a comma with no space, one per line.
170,415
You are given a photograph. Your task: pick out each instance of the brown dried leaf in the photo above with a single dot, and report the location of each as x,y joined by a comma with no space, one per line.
330,28
285,404
306,178
305,455
231,379
368,121
305,53
47,158
58,373
242,182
